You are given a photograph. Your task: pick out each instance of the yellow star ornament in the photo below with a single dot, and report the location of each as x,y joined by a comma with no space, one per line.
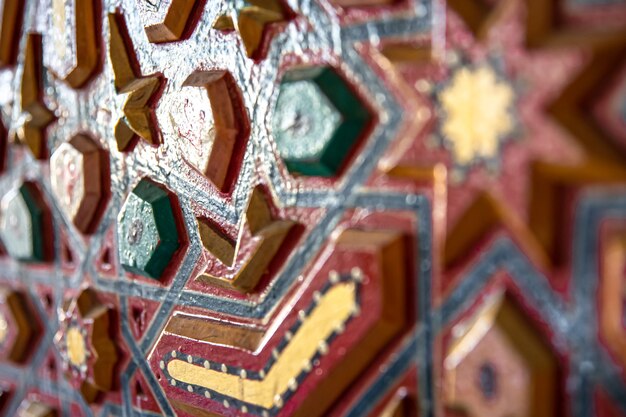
476,107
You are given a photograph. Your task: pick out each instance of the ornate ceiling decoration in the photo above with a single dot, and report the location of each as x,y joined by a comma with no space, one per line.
312,208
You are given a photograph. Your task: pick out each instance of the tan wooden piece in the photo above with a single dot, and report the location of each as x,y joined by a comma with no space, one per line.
32,133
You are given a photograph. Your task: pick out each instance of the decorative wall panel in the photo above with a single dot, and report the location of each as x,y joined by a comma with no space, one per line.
309,208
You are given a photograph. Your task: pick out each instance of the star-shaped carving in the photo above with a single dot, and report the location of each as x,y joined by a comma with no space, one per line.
254,22
38,117
549,23
479,15
87,346
544,236
267,233
143,91
547,27
572,107
533,211
552,188
486,215
477,113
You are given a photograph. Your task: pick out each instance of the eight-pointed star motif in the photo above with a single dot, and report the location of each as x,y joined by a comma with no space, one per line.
143,91
477,118
86,342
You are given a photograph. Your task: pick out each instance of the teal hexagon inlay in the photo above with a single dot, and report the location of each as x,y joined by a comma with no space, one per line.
317,121
147,232
25,226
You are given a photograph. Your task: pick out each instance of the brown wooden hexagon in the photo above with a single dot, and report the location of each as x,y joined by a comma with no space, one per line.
232,126
18,326
79,180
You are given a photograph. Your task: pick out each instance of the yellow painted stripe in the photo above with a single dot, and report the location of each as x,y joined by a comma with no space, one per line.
332,311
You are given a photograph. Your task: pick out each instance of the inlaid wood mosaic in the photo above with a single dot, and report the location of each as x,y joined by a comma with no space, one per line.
310,208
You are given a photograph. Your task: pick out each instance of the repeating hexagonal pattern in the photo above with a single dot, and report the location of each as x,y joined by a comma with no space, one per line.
351,208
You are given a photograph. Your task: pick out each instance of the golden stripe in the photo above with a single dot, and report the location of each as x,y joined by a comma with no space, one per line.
332,311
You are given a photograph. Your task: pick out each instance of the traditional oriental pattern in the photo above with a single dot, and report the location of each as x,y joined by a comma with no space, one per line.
311,208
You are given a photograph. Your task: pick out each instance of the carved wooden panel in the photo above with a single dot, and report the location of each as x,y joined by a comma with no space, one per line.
316,208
